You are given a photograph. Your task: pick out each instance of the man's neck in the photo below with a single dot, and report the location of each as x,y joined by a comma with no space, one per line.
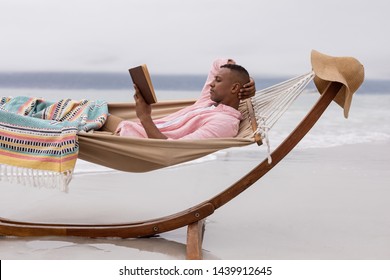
234,104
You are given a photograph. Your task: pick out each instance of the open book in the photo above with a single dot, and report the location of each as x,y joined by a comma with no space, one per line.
140,76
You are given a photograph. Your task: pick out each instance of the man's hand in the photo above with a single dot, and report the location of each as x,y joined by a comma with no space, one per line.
143,109
231,61
144,113
248,90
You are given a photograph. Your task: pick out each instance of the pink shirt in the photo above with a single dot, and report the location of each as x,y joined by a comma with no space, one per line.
198,121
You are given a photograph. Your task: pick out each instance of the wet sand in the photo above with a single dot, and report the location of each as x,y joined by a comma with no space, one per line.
327,204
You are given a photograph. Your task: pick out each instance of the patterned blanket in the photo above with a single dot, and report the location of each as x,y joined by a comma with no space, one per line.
38,138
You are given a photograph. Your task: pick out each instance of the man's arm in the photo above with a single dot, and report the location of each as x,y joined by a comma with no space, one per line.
144,114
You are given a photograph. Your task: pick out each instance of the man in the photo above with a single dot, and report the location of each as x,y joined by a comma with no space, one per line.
215,114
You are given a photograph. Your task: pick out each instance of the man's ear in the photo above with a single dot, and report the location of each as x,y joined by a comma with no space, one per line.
236,88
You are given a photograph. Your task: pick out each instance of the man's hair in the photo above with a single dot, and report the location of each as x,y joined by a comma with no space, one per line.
241,73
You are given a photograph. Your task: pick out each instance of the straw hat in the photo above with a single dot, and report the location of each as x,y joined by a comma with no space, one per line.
346,70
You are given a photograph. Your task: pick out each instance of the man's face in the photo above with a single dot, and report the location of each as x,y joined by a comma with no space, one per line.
221,87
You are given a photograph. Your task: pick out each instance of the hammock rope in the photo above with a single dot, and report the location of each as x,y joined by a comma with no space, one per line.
271,103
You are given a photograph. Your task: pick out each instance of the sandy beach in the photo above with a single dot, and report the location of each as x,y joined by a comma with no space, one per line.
326,204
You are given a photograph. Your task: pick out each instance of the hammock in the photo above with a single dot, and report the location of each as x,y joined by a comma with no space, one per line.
260,113
141,155
335,78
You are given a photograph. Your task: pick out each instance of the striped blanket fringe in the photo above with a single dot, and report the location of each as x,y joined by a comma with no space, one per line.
35,177
38,139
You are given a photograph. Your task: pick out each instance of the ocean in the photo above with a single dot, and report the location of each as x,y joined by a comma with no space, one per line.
367,122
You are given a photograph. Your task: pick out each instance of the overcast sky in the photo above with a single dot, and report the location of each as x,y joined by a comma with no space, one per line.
268,37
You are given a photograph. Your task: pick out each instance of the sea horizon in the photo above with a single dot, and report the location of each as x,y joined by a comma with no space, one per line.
121,81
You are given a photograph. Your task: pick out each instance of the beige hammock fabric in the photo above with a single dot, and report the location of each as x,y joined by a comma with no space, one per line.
141,155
